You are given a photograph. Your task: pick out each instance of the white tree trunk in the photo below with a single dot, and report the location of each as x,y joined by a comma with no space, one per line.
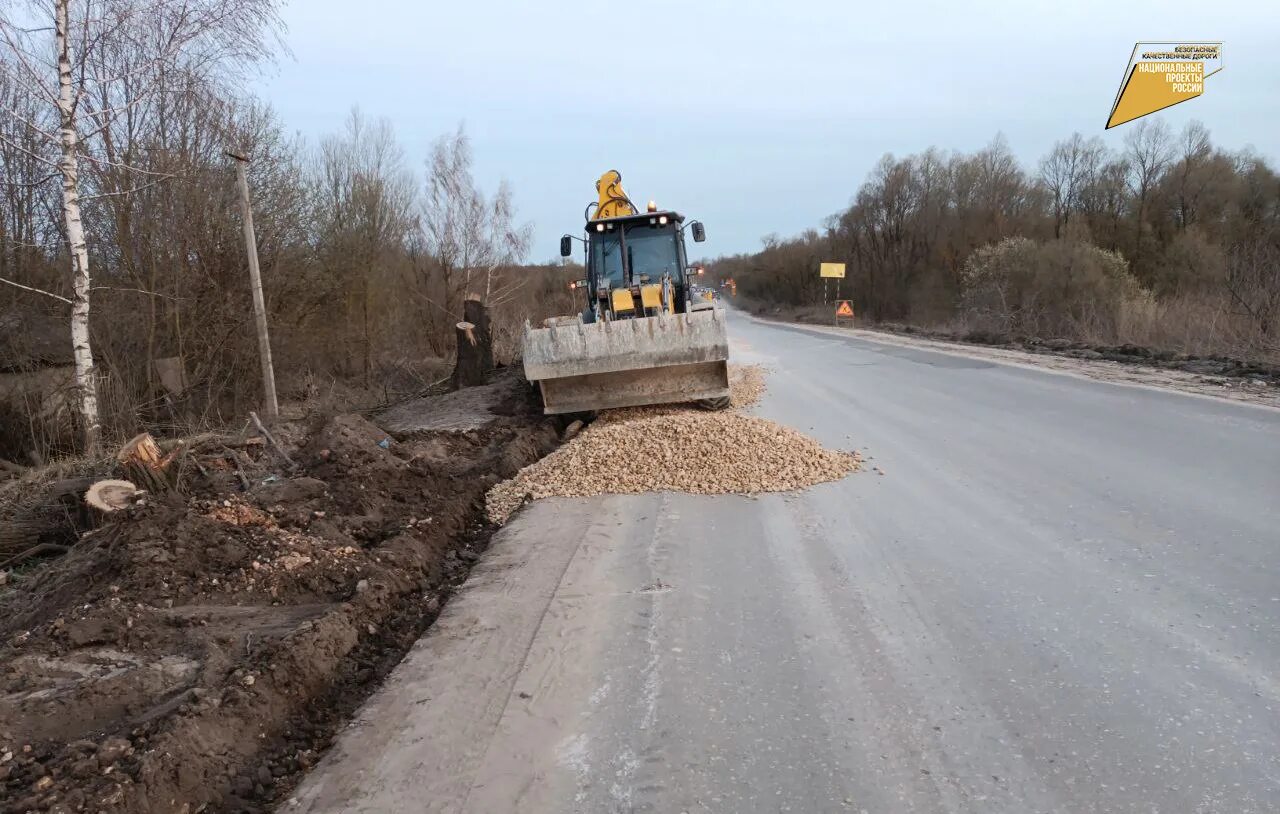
69,169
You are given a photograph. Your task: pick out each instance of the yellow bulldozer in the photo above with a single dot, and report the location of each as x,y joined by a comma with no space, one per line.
642,337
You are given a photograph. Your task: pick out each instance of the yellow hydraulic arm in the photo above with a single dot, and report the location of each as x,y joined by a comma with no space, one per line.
613,199
614,203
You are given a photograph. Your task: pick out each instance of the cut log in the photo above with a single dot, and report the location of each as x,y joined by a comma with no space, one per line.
23,532
469,370
142,462
107,496
56,514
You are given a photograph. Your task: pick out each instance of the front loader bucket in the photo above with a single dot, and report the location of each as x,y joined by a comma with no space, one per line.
629,362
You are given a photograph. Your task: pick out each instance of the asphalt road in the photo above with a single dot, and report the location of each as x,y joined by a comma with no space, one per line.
1061,596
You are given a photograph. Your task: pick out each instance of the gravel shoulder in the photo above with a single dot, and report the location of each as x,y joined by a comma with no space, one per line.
1232,389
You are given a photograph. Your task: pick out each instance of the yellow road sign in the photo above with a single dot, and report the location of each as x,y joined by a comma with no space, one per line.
845,310
832,270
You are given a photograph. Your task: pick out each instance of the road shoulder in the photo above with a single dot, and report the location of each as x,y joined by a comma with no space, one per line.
1180,381
417,744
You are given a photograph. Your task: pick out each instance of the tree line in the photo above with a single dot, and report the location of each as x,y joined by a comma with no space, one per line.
119,224
1168,241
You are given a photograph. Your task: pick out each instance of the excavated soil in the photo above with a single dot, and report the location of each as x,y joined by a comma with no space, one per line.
198,654
678,449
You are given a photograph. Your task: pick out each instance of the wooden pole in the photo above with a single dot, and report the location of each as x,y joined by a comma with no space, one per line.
270,406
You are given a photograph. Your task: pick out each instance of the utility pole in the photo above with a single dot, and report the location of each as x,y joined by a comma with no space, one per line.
270,406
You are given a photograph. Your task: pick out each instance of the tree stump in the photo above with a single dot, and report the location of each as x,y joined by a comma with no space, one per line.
477,313
469,370
145,465
107,496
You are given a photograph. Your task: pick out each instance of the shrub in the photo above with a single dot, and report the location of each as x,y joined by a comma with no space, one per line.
1064,287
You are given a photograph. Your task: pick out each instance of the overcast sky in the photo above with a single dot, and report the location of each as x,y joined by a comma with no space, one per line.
753,117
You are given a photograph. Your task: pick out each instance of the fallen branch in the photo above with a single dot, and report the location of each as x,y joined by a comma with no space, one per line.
270,439
235,460
33,552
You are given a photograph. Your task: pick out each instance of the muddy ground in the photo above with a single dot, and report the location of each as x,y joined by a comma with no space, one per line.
199,653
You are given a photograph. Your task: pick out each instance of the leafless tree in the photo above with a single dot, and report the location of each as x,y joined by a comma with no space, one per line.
1149,151
1192,173
467,234
1103,202
98,65
1253,281
1067,171
365,219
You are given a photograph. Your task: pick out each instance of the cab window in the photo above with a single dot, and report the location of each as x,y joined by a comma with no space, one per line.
606,260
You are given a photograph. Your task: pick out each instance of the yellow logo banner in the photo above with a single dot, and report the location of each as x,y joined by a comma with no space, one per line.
1162,74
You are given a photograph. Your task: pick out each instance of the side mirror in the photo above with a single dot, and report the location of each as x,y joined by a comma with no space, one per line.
699,232
566,246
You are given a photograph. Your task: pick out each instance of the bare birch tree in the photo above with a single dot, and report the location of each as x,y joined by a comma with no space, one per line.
468,234
96,65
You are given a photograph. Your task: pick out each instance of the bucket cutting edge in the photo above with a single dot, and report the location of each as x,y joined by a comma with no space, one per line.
625,363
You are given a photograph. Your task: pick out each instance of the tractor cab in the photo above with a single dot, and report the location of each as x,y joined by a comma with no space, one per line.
637,266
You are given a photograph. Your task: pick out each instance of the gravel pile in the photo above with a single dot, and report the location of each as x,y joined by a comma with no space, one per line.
677,449
746,384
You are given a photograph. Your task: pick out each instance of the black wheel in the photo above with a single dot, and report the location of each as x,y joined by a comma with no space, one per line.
714,404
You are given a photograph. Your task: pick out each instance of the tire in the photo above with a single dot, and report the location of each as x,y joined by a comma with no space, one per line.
714,404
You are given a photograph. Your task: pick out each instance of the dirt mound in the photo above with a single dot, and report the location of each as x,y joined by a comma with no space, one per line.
677,449
197,653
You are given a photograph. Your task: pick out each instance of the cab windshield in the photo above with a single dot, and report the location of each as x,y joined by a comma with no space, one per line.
653,252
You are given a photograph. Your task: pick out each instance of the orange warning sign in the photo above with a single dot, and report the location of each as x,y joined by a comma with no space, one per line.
845,310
